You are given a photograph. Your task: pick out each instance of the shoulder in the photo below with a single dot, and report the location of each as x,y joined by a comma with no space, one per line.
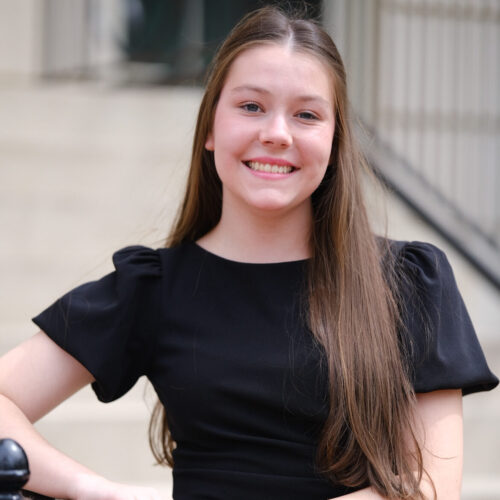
145,261
420,258
428,291
444,349
423,269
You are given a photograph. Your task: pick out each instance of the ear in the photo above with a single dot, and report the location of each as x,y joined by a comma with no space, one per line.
209,143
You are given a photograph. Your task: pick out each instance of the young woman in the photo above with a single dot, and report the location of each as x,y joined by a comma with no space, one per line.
295,354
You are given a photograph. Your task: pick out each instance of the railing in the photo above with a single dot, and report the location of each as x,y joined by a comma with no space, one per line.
424,79
15,473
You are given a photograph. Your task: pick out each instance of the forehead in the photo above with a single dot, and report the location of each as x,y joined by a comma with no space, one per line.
275,66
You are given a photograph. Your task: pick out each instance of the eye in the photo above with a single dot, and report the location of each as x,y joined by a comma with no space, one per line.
307,115
251,107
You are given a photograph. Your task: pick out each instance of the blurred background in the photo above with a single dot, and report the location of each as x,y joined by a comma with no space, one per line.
97,108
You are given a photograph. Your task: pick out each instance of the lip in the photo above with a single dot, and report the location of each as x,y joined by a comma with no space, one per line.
280,162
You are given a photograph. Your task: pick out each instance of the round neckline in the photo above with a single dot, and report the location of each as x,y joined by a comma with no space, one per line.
220,258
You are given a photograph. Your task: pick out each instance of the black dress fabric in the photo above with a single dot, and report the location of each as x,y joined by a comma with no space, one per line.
227,350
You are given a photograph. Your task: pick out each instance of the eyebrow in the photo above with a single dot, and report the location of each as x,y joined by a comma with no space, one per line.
261,90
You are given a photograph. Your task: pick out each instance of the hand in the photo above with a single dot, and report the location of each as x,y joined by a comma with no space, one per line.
93,487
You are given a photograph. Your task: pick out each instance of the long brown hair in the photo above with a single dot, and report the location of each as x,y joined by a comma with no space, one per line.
352,305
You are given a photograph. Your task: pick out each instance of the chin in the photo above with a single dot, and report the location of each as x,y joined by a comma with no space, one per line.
273,205
273,208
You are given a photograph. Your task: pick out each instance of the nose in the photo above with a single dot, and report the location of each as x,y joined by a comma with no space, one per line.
275,132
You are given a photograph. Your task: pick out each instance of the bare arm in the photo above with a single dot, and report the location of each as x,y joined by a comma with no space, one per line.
441,438
35,377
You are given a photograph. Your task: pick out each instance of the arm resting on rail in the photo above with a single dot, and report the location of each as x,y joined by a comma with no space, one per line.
35,377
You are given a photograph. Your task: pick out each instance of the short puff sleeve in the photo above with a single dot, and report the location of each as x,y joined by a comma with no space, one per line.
108,325
444,350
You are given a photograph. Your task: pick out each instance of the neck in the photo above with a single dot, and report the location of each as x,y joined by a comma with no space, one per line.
257,237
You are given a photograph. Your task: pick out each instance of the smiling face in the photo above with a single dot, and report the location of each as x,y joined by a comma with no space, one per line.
273,129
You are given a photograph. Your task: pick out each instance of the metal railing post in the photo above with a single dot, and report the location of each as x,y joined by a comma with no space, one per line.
14,470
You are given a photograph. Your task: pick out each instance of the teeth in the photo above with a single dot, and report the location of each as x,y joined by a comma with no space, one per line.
266,167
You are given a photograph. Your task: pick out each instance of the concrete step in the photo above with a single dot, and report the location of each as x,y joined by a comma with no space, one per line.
111,438
491,348
165,489
481,487
482,444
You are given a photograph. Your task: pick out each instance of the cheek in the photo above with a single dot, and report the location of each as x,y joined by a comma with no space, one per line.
234,142
319,148
327,146
221,132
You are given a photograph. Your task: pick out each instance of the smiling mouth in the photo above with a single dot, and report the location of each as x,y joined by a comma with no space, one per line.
267,167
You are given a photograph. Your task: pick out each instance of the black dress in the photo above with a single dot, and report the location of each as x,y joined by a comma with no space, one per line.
227,350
